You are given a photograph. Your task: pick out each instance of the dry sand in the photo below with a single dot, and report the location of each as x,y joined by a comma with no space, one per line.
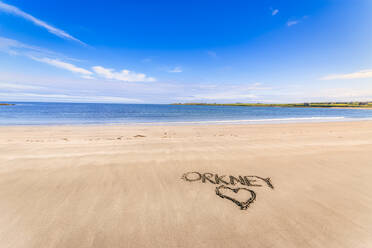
122,186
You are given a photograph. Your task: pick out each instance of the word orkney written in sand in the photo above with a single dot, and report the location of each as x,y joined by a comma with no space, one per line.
254,181
230,193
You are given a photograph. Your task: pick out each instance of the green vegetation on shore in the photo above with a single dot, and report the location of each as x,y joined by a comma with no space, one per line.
299,105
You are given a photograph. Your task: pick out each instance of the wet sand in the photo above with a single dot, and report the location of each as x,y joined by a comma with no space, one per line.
170,186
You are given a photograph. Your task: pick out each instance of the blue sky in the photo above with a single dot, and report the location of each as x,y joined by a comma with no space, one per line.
185,51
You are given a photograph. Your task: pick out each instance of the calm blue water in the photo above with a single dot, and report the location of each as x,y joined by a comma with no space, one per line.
98,113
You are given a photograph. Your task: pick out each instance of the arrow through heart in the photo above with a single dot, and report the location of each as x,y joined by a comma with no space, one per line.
234,195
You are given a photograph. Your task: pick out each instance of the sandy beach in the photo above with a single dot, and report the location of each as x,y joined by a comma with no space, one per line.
270,185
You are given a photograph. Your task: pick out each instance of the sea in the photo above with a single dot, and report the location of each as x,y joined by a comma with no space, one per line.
48,113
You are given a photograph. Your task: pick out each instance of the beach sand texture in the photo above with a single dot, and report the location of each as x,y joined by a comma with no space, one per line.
125,186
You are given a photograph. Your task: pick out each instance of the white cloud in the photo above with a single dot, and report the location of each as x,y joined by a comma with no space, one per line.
291,23
294,22
355,75
124,75
15,47
256,84
68,98
58,32
245,92
274,12
19,86
64,65
6,43
87,77
341,94
218,96
176,69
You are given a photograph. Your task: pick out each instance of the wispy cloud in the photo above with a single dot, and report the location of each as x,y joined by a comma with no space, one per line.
176,69
225,93
58,32
19,86
274,12
291,23
354,75
218,96
6,44
124,75
66,98
15,47
64,65
297,21
38,54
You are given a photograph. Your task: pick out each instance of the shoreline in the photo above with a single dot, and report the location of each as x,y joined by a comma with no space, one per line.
205,123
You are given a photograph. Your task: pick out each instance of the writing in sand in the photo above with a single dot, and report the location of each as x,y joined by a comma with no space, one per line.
254,181
231,193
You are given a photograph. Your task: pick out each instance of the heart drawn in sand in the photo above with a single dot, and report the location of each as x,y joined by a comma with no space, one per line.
236,194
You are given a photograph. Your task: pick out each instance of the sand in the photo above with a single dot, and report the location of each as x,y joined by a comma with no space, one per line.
156,186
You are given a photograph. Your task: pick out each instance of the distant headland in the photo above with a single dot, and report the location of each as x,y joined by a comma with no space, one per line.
6,104
291,105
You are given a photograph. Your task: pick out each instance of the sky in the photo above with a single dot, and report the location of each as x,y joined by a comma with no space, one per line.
266,51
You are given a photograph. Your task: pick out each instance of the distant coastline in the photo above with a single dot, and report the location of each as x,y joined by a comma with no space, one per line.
365,105
6,104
